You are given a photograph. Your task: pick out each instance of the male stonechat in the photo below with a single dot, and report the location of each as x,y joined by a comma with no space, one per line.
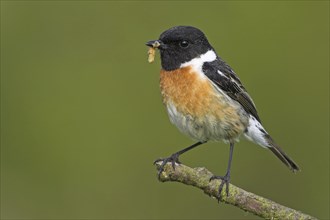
205,99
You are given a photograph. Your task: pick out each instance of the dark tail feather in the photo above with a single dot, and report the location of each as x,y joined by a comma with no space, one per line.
281,155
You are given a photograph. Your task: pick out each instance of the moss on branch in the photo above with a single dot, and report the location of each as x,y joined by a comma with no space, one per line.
199,177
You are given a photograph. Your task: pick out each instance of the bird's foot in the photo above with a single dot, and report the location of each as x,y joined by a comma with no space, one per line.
174,158
224,180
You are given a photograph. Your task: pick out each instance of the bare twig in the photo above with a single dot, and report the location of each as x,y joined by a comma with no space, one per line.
199,177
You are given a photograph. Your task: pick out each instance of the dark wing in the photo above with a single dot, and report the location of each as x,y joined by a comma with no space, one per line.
224,77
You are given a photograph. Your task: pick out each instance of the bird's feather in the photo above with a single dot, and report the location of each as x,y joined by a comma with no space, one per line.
225,79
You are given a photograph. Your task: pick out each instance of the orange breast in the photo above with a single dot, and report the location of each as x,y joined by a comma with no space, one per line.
201,111
186,90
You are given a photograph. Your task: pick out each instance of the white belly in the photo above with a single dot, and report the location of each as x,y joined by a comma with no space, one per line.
206,128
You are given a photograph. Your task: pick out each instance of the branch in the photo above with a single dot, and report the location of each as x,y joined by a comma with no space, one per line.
199,177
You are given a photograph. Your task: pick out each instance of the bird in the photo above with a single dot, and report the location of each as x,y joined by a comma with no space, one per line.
205,99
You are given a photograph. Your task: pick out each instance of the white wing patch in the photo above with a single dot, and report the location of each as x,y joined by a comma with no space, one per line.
221,73
256,133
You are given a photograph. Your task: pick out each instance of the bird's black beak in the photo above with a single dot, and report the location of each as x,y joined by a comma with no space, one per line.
155,44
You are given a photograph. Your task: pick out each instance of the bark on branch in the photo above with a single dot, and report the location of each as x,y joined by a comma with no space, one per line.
199,177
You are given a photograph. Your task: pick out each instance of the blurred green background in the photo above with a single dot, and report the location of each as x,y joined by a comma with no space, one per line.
82,119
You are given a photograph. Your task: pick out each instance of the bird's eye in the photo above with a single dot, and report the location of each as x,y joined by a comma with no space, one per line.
184,43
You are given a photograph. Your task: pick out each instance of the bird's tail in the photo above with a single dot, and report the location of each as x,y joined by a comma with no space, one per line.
281,155
256,133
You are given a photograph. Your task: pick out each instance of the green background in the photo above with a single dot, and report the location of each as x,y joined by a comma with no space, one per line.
82,119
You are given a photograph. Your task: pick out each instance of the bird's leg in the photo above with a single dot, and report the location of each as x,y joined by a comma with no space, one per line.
226,178
174,158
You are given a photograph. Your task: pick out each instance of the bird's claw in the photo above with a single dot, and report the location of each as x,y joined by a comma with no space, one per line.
174,158
224,180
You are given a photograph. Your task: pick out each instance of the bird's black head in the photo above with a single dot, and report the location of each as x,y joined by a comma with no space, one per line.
180,44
